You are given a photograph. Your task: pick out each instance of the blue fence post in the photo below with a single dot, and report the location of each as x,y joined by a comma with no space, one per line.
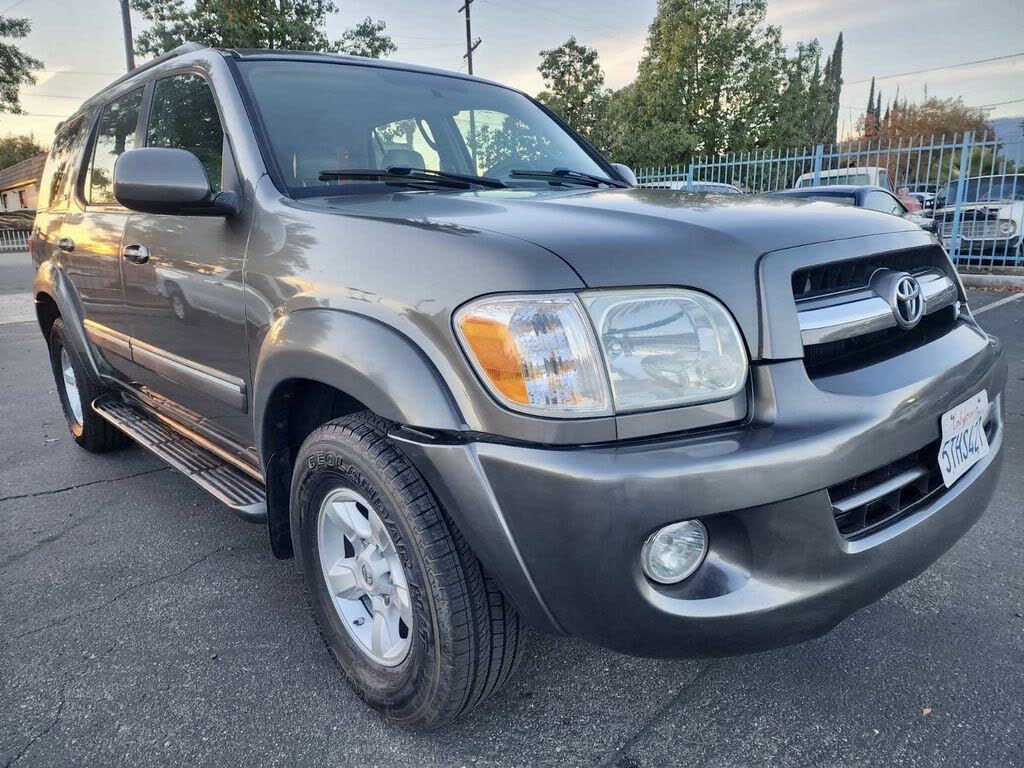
819,155
689,175
961,190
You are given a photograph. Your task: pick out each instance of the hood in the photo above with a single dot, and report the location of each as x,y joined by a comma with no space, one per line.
638,237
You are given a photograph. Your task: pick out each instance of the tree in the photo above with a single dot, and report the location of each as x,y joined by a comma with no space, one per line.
799,109
869,124
709,80
14,149
574,85
932,117
828,125
367,38
278,24
16,67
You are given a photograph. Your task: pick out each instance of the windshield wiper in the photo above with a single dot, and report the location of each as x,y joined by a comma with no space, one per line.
568,175
402,174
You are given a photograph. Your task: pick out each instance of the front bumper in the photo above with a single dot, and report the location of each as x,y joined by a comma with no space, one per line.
561,529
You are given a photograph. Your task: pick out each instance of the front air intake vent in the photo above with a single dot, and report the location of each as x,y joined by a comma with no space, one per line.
854,274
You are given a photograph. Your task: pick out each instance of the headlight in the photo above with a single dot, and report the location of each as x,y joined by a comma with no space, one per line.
667,347
655,348
536,354
1007,227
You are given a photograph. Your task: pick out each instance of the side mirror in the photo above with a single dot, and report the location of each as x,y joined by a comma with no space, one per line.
171,181
626,173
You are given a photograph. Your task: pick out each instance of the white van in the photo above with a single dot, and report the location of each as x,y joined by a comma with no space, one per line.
877,177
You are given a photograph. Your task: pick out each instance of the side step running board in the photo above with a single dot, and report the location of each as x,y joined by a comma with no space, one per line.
229,484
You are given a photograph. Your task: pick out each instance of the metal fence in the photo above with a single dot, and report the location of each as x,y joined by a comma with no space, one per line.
13,240
972,186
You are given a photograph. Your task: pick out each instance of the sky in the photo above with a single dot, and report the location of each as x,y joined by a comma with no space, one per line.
81,45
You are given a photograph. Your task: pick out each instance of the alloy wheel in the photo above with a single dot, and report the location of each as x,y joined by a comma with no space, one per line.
364,576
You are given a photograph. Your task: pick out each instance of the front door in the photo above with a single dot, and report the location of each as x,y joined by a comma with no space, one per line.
90,234
183,275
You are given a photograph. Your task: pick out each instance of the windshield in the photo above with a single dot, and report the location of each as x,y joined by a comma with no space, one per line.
990,189
322,116
837,179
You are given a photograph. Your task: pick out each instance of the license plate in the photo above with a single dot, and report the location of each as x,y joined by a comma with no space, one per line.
964,442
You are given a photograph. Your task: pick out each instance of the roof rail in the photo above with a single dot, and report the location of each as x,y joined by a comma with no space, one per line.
180,50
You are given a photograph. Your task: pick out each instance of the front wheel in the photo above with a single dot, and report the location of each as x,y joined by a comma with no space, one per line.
419,631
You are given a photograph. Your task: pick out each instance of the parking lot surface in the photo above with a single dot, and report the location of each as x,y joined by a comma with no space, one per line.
142,624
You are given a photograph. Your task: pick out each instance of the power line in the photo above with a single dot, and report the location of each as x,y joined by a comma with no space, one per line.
34,114
78,72
11,7
937,69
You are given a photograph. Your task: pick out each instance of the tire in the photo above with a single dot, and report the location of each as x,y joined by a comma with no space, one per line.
464,640
90,431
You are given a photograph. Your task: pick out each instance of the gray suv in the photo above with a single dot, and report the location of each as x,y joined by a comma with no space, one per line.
472,379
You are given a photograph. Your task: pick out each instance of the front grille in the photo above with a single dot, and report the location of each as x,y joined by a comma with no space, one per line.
838,276
834,357
867,503
975,225
843,324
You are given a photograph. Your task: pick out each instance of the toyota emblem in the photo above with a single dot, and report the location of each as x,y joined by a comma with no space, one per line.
907,301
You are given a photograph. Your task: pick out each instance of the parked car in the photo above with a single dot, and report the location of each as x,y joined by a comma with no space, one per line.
473,385
716,187
854,176
909,201
926,200
872,198
859,177
991,219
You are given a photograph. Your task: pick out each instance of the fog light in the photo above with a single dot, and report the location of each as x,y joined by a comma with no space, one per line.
675,551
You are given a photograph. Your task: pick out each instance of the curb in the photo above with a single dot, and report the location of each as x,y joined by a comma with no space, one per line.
999,282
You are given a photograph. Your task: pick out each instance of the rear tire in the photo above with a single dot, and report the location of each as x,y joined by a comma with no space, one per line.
77,391
464,637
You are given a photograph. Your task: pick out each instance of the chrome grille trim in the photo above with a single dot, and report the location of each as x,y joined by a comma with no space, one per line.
855,313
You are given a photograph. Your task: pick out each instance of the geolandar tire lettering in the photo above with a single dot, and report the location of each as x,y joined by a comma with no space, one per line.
390,530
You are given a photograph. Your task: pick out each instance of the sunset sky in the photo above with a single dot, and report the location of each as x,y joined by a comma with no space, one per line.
80,43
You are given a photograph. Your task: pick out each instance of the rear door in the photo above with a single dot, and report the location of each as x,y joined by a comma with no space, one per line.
90,234
186,297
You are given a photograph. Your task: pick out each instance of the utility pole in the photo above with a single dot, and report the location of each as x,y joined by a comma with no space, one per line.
471,45
126,24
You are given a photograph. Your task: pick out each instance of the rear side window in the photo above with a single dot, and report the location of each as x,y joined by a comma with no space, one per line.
115,134
54,187
184,116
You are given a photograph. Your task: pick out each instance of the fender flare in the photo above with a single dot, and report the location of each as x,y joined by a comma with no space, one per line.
362,357
50,280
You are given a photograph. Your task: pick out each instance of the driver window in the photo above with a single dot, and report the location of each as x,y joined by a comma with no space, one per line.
184,116
406,142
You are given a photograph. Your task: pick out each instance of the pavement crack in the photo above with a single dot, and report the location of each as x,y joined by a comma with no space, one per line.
126,591
53,724
83,485
614,761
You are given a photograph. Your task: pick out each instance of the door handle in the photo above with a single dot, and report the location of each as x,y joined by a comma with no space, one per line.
136,254
66,244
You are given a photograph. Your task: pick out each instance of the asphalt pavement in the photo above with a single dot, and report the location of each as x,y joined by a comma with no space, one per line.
142,624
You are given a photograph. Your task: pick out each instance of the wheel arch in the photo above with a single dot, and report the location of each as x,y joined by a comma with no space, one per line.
317,365
55,297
